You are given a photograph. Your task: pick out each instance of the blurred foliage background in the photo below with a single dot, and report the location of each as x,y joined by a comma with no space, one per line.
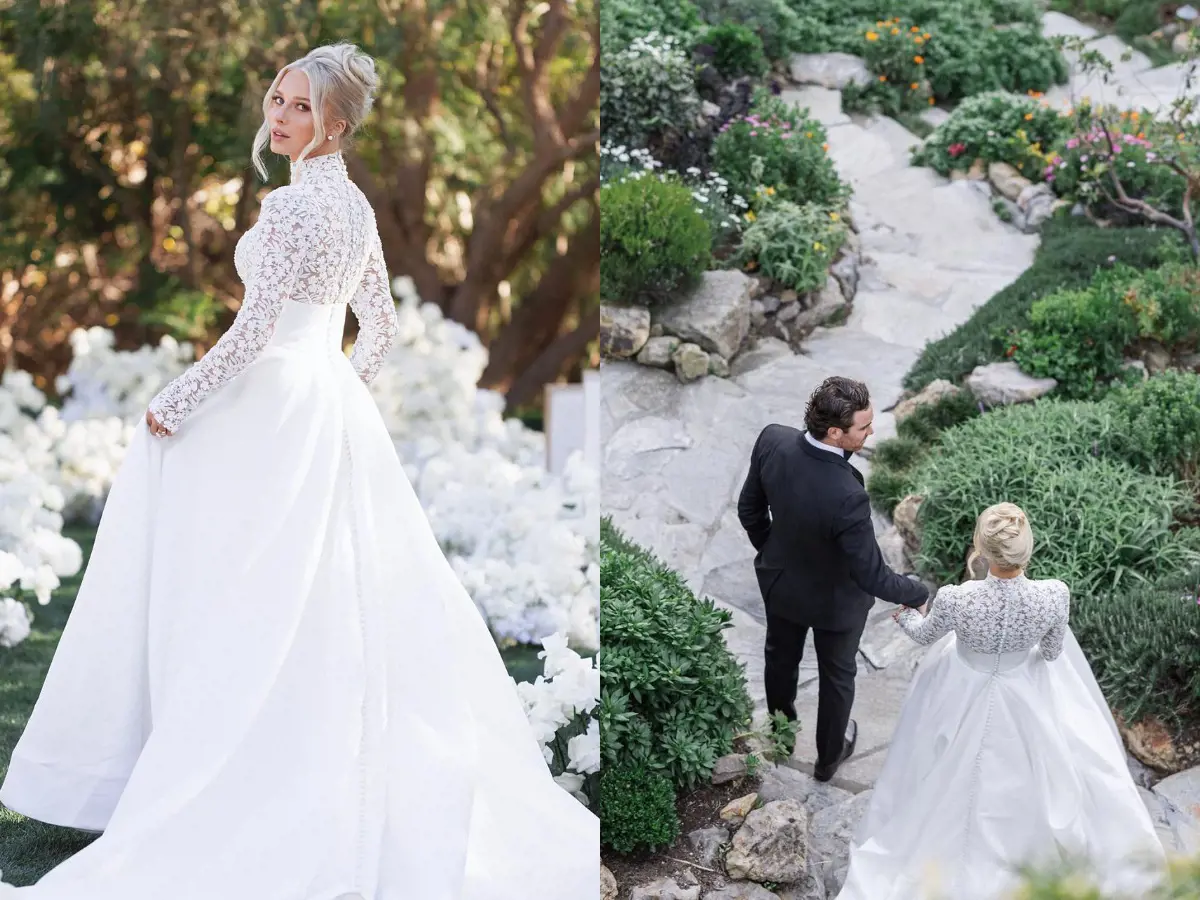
125,177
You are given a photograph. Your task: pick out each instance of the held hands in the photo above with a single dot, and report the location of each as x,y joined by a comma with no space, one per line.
923,609
156,429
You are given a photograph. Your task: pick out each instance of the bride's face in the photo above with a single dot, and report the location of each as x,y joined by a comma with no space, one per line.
290,116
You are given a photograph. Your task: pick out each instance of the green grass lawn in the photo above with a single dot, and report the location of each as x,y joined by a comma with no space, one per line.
29,849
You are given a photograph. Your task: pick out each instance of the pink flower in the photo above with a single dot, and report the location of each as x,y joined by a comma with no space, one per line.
956,150
1072,143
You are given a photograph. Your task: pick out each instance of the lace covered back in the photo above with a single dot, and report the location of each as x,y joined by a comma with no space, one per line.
315,242
996,615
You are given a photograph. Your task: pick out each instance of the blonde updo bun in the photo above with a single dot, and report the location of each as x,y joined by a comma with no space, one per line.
1003,537
342,83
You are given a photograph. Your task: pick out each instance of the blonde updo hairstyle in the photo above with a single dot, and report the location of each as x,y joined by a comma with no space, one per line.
1003,537
341,85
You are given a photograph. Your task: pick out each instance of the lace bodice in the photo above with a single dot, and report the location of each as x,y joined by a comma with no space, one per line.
996,615
315,242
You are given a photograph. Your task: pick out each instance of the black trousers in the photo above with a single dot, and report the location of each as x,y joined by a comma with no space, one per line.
836,667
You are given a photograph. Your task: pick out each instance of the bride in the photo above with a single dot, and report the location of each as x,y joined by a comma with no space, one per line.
1006,753
272,686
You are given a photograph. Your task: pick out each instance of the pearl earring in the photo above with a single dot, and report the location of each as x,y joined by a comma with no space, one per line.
329,137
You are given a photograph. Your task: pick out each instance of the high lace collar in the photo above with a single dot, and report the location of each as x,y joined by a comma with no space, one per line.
996,579
327,165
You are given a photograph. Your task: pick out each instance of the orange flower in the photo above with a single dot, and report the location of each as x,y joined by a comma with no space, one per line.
895,31
925,35
825,147
931,101
918,60
1028,117
872,36
914,29
883,78
914,86
918,40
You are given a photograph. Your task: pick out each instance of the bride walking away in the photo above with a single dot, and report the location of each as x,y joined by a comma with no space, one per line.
1005,753
272,685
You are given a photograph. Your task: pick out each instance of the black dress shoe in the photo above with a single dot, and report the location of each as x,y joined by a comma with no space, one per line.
826,772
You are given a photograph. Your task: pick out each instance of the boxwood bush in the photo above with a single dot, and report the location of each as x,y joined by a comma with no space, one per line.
1156,425
653,242
673,696
1071,252
637,809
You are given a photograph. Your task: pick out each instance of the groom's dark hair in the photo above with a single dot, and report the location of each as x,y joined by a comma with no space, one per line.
834,404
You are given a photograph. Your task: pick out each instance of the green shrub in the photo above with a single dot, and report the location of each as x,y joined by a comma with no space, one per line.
1143,643
737,50
653,242
637,809
647,90
926,423
672,694
994,127
1157,425
895,52
1079,337
1098,523
1070,253
777,25
624,21
777,153
1075,883
793,245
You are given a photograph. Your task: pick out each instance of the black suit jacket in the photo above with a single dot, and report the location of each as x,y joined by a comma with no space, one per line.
808,516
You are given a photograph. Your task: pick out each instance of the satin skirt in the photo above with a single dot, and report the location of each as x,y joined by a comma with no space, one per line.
1000,761
272,685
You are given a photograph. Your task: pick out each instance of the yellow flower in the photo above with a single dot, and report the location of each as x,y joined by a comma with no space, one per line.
872,36
1029,117
834,216
818,246
770,192
918,59
895,31
808,134
750,217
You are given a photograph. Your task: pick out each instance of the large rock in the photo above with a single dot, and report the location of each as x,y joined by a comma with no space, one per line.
904,517
743,890
830,834
786,783
846,271
1002,383
936,390
823,305
608,884
691,363
735,811
665,889
1007,180
1037,203
730,767
1180,795
624,330
1151,742
658,352
772,844
715,315
830,70
707,842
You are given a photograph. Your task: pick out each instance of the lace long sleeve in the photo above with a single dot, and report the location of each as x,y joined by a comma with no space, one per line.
375,310
1052,641
939,621
286,241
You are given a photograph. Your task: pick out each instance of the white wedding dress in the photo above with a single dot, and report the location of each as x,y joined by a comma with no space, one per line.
272,685
1005,754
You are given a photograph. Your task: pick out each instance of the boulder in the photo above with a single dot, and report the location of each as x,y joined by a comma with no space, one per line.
823,305
1151,742
904,517
715,315
830,70
788,311
758,314
978,171
830,834
624,330
1180,795
929,395
665,889
691,363
742,890
786,783
707,842
771,303
1157,358
718,365
845,270
658,352
735,811
772,844
1002,383
709,110
1008,180
728,768
608,884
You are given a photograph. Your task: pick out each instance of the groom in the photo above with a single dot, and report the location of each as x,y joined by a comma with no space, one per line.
819,566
